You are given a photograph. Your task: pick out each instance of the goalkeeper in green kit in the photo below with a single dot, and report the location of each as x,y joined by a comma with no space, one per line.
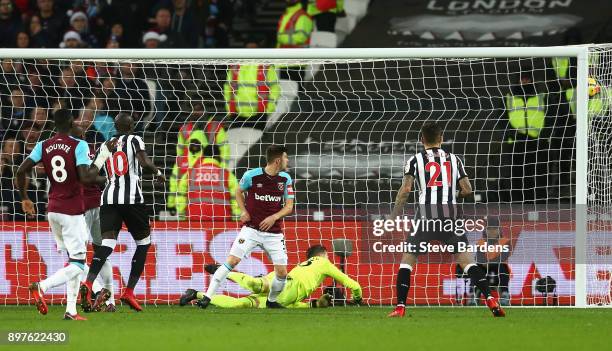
302,281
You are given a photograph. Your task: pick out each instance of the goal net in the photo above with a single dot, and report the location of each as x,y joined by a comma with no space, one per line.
349,125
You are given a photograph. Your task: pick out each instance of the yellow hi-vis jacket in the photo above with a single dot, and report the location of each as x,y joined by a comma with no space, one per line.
294,28
526,116
177,200
211,191
214,133
251,90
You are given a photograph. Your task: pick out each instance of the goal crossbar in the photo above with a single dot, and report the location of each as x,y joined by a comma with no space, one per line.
579,52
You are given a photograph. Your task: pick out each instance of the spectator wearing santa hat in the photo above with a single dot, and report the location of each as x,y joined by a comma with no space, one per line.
72,40
152,39
80,24
163,22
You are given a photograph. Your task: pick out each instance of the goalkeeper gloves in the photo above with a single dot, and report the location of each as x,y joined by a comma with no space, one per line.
321,302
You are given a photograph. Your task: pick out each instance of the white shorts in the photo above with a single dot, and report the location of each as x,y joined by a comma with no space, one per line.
272,243
70,233
92,220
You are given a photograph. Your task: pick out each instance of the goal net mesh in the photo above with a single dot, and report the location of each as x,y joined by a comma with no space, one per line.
349,126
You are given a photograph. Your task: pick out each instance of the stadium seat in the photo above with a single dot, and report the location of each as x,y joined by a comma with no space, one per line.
152,91
356,8
289,91
240,141
323,40
311,70
345,25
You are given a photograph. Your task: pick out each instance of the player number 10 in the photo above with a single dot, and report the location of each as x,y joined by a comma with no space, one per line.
117,164
433,180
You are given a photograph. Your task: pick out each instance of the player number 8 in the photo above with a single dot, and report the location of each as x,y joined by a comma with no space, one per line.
58,169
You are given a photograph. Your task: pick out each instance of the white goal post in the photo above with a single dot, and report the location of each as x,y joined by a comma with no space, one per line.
315,57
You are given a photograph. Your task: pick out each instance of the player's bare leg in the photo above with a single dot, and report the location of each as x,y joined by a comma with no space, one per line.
479,280
403,284
277,285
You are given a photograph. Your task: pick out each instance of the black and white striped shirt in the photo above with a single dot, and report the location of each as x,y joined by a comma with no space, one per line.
437,174
124,173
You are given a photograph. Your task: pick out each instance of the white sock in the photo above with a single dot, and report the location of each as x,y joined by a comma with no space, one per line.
96,286
61,277
72,291
217,279
275,288
106,276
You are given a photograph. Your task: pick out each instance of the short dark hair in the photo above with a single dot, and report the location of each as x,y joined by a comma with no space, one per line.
63,119
123,122
315,250
431,132
274,151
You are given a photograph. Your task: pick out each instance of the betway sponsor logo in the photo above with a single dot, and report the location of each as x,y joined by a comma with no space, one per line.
267,198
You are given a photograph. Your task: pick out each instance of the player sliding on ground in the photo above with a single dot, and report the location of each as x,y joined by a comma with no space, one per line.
269,198
123,202
302,281
67,165
437,174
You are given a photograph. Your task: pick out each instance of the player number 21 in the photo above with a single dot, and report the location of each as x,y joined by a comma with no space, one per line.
433,180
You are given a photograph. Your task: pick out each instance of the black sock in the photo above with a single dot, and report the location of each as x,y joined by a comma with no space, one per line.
138,263
101,253
403,285
504,277
478,278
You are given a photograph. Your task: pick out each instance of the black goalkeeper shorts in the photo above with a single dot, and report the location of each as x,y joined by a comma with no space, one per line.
135,217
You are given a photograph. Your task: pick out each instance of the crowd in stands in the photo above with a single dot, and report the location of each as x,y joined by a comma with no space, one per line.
30,90
115,24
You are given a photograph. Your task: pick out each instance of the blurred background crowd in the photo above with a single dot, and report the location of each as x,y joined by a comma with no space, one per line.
185,100
116,24
205,116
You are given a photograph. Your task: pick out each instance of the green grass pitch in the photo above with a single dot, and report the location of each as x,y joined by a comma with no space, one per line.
355,328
